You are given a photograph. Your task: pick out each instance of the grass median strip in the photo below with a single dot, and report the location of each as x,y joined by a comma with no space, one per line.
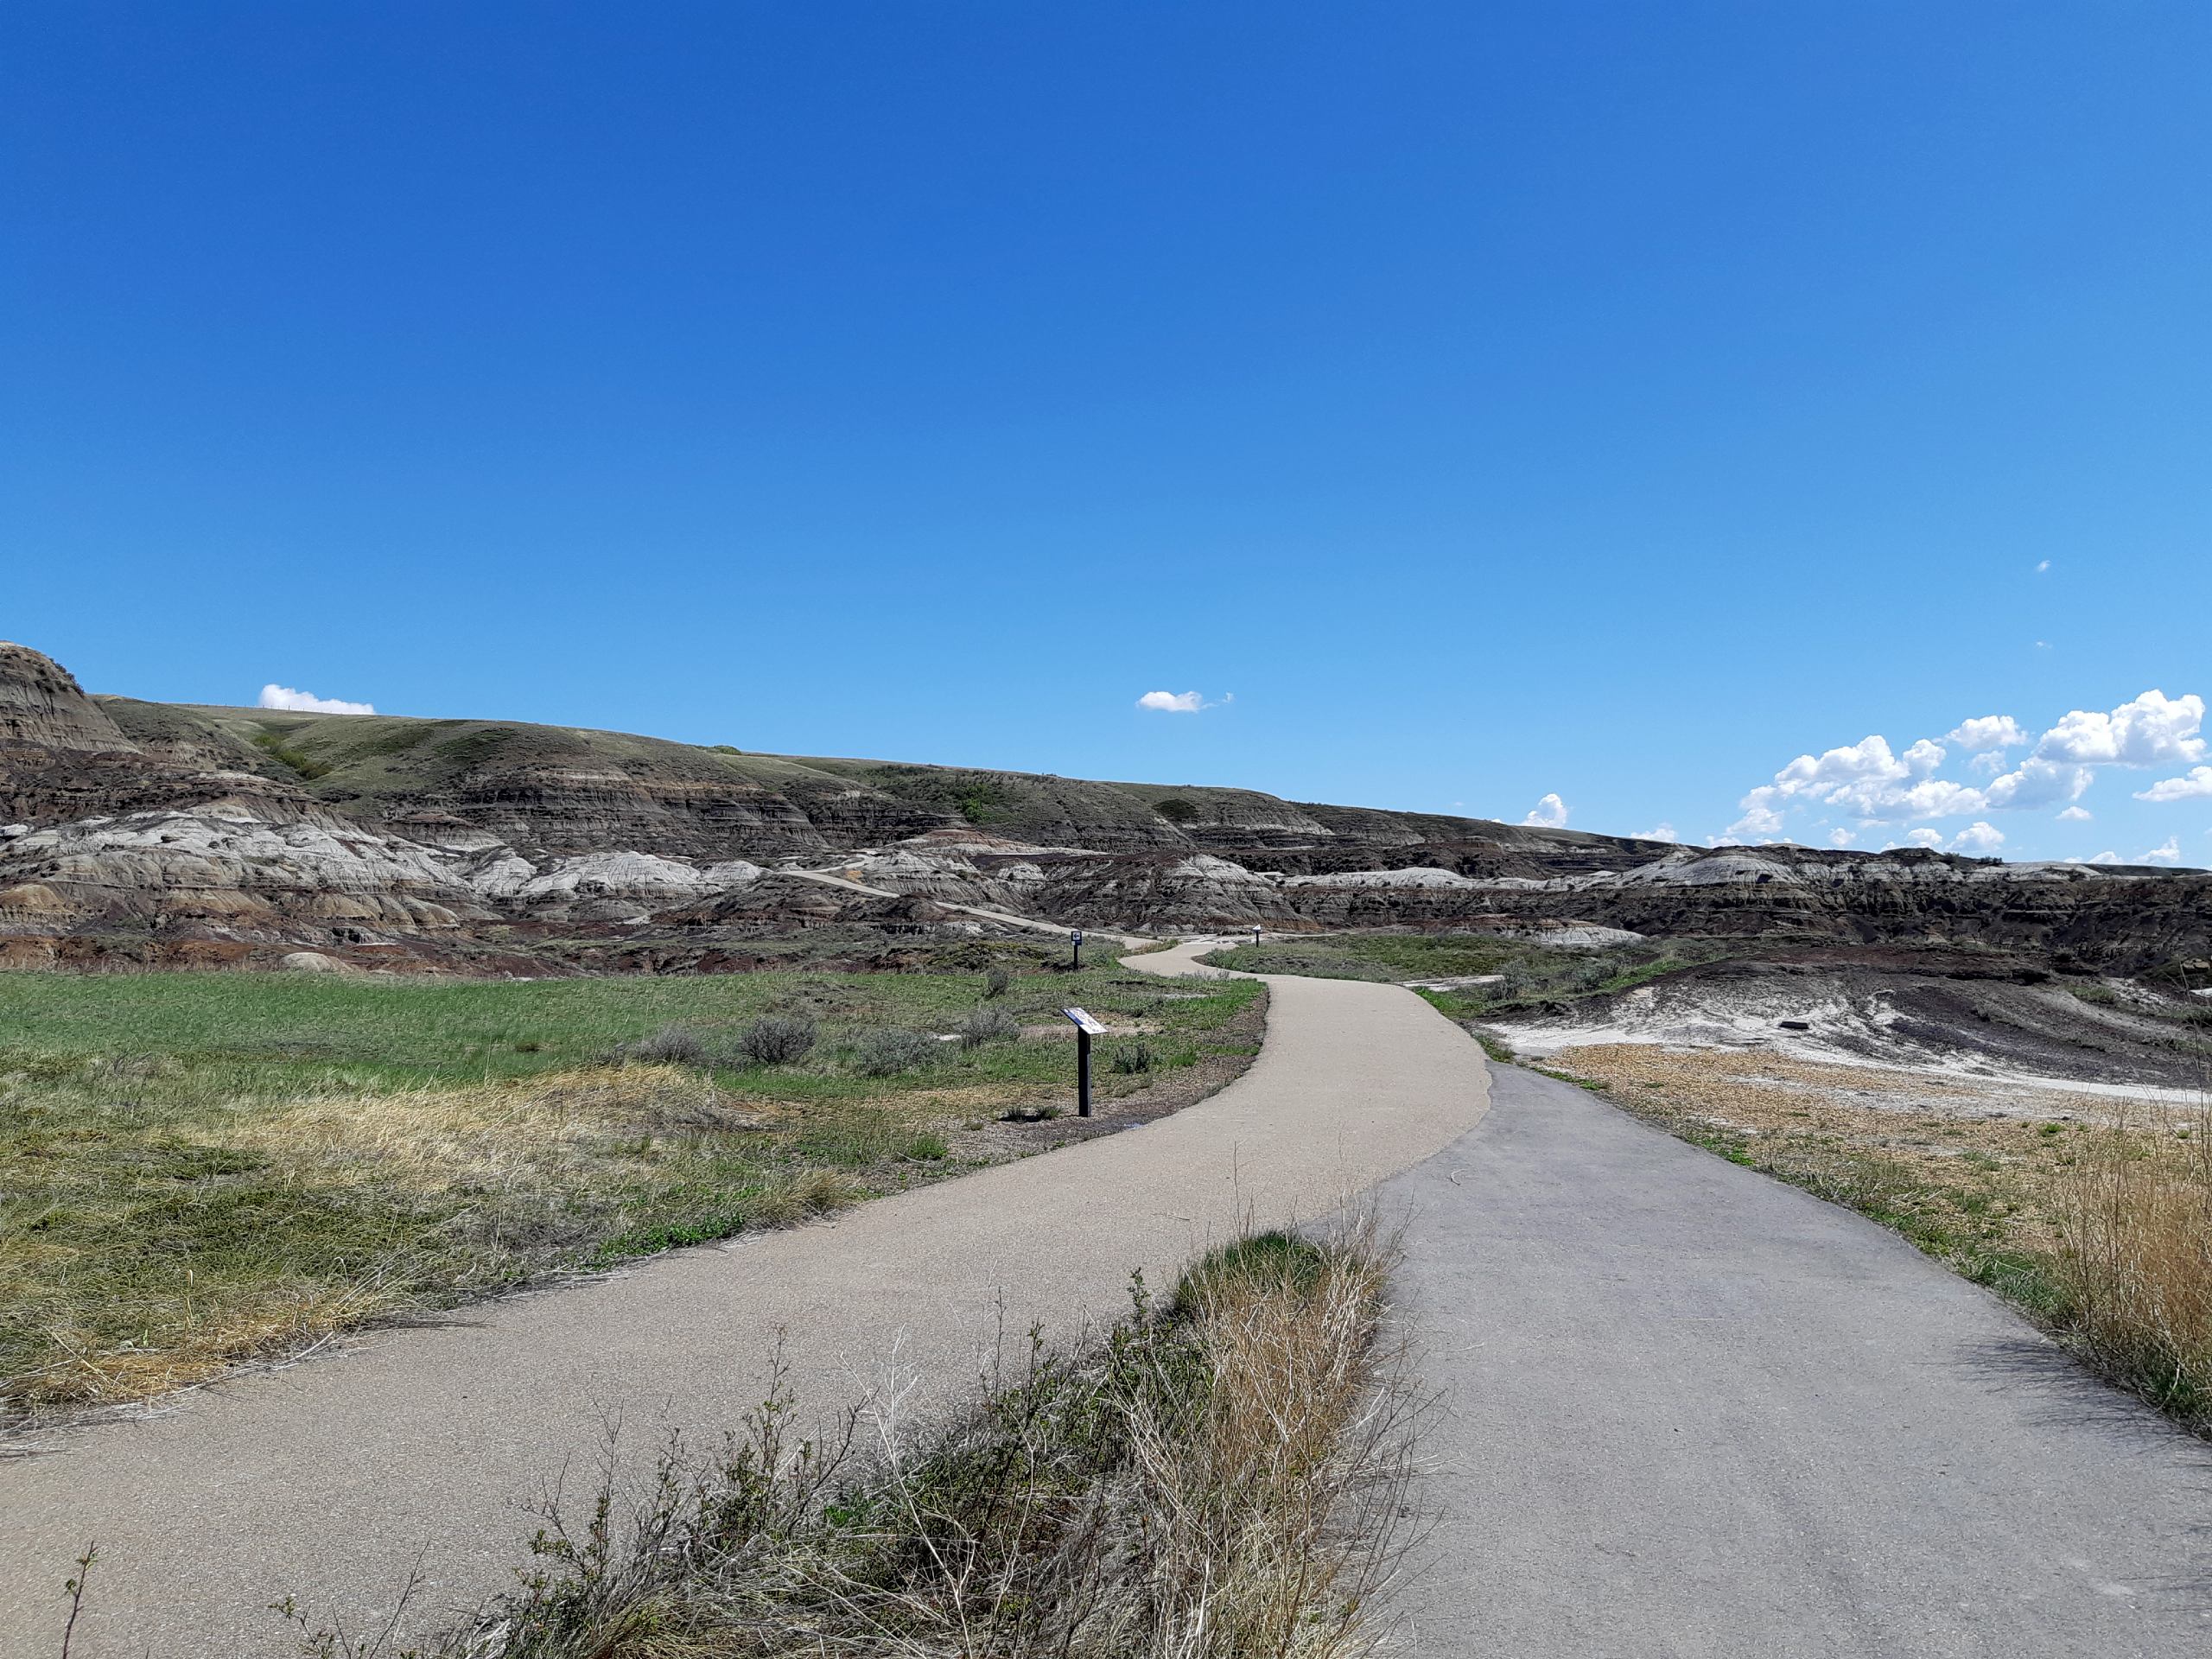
197,1170
1225,1475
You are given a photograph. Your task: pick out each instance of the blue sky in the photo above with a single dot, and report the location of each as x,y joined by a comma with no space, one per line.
1473,404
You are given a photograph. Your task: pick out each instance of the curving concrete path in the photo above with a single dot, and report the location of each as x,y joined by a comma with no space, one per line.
1687,1410
333,1479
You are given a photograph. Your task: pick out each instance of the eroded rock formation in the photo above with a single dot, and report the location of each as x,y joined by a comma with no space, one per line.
159,832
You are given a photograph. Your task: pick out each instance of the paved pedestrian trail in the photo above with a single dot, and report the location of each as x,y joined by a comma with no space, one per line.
333,1479
1690,1411
1685,1411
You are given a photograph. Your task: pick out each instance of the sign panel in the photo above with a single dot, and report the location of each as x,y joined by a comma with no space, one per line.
1084,1022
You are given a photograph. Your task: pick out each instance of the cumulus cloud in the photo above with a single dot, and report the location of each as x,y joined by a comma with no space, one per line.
1930,839
2042,565
2148,732
1867,780
1180,702
2076,815
2193,785
1841,837
1875,785
1550,813
1979,838
1988,732
2169,854
1761,818
1661,831
2037,782
306,703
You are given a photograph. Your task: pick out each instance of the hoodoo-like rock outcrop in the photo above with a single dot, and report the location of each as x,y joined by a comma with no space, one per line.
148,832
43,708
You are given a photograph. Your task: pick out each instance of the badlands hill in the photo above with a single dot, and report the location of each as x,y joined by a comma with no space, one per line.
152,833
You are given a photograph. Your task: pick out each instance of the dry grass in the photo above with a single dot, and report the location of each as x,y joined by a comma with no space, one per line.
2134,1210
152,1263
1224,1478
200,1171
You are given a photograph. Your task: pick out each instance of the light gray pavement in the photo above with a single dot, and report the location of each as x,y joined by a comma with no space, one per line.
334,1478
1690,1411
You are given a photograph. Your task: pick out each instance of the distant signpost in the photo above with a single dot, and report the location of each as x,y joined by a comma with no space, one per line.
1086,1027
1074,937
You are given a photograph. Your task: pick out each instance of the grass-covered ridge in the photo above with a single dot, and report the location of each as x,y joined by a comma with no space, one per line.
197,1169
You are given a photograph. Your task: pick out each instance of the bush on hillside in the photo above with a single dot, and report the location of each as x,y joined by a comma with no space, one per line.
778,1039
887,1051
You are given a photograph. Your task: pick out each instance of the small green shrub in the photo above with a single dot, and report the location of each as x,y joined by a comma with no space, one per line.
670,1046
887,1051
1131,1057
982,1026
779,1039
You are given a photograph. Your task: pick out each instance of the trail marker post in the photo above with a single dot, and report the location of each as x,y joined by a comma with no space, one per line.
1085,1028
1074,937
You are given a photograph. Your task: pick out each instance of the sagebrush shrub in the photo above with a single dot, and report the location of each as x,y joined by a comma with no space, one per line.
887,1051
988,1026
670,1046
778,1039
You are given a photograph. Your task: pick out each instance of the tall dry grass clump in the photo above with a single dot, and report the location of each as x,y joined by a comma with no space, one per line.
2134,1208
1224,1478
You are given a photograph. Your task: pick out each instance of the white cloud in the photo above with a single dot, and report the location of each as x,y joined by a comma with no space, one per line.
2169,854
1988,732
1661,831
1866,779
1873,782
2107,856
2153,729
1979,838
1174,702
305,702
2037,782
1841,837
2193,785
2076,815
1926,837
2042,565
1760,817
1550,813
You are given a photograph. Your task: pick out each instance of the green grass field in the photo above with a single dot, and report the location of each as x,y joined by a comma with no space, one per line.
197,1169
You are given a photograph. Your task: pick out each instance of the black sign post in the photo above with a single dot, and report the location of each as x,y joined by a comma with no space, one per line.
1085,1028
1074,937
